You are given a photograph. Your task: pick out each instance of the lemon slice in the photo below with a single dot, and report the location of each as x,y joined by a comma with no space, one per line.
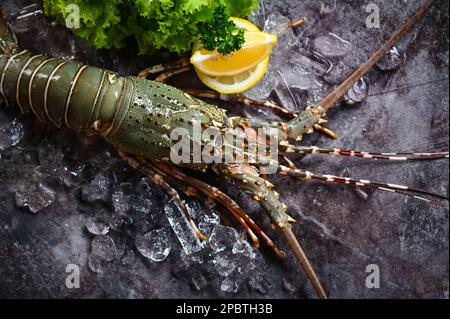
256,48
231,84
239,82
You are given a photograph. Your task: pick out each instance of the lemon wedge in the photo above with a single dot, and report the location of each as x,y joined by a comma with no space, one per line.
244,24
231,84
241,70
256,48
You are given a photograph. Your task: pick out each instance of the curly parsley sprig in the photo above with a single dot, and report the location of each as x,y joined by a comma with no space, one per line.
221,33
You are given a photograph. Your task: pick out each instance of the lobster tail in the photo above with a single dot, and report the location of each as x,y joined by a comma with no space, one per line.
8,41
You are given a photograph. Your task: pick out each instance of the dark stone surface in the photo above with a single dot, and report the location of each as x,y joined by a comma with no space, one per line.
407,110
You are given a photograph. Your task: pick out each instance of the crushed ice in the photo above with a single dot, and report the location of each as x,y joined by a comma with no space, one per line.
155,244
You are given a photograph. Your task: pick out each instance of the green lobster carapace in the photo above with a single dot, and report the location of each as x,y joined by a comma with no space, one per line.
139,116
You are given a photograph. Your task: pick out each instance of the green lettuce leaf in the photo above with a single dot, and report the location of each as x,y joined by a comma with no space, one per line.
154,24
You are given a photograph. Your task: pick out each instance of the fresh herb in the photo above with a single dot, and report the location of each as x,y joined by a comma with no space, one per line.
155,24
221,33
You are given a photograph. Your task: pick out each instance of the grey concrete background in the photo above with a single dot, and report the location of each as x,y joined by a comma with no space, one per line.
407,110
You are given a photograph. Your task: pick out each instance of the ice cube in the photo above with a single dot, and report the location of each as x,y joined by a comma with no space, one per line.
358,92
223,237
199,281
103,247
97,264
224,264
98,189
97,227
128,258
11,134
207,223
278,24
103,252
155,244
34,193
49,155
121,198
182,228
244,248
392,60
258,283
331,45
205,219
229,285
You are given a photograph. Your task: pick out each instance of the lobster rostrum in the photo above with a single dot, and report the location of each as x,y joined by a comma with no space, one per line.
137,116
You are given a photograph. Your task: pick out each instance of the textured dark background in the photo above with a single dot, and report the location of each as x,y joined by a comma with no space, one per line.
407,110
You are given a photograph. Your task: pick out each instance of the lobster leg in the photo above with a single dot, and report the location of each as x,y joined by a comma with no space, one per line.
163,77
248,178
167,70
165,67
210,94
159,179
148,169
222,198
161,168
8,40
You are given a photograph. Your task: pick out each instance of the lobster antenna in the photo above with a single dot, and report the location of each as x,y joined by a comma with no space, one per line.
345,86
400,189
303,260
399,156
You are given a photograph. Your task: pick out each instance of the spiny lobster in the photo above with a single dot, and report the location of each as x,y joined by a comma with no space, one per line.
137,116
